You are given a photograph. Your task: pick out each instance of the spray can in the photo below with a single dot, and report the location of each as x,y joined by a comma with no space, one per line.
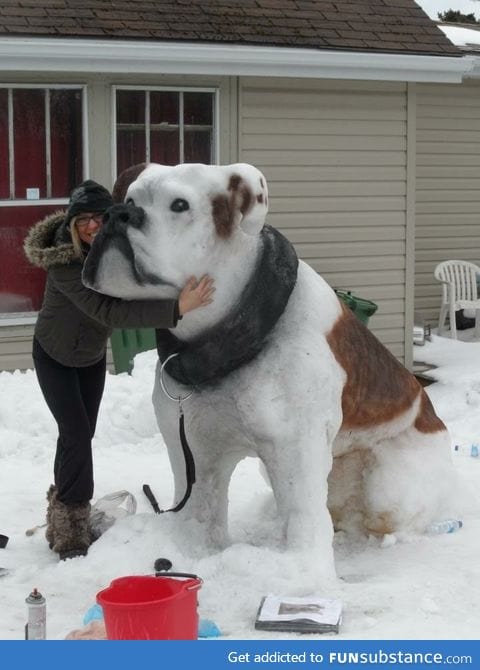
36,626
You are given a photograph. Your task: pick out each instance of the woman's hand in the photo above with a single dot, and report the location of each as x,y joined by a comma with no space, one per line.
195,294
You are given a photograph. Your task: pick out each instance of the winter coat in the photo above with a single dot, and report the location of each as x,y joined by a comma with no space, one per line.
74,323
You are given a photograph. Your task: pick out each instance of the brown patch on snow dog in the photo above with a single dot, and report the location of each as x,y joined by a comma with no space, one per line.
378,388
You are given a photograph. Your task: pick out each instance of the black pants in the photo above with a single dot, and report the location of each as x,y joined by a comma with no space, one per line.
73,396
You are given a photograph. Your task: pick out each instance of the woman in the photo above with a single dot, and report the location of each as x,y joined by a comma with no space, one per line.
69,348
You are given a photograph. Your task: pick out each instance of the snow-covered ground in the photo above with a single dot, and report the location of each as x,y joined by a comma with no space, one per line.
418,587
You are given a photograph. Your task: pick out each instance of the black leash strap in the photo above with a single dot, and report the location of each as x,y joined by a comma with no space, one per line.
189,471
189,462
151,498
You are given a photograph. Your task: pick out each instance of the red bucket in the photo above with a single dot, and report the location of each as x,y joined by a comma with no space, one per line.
158,607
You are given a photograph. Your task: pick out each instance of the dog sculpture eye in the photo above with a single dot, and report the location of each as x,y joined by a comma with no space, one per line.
179,205
130,201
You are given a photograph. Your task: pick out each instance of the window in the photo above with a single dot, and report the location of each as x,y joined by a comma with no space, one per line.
41,160
40,142
164,126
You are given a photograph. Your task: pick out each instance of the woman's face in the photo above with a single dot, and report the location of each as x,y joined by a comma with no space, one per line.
88,224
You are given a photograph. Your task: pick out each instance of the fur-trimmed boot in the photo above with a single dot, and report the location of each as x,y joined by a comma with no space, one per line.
72,534
49,533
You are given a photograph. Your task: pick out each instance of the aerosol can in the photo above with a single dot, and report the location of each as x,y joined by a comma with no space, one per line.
36,626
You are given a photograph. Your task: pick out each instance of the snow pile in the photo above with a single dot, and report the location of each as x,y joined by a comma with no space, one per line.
462,37
395,588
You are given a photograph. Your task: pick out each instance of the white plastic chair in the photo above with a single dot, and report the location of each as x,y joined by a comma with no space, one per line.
459,291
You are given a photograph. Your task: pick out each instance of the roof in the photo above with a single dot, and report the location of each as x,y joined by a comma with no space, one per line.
388,26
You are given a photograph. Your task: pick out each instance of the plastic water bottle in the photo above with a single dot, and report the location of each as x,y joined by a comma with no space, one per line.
447,526
36,627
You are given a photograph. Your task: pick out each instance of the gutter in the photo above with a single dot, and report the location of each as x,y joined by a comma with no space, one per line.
34,54
474,73
466,37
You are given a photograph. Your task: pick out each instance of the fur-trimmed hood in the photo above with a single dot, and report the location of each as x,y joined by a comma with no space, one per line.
43,246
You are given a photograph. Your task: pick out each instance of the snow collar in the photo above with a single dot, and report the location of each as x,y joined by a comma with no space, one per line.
45,245
237,339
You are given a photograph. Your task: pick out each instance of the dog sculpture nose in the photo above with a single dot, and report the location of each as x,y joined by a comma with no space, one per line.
118,218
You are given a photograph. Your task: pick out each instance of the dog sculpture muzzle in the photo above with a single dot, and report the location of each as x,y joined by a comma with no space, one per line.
117,221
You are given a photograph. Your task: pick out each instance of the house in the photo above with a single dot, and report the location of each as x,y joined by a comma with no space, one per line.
447,172
347,106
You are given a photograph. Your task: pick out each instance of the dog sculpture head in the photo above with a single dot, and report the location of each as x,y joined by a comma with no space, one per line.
174,222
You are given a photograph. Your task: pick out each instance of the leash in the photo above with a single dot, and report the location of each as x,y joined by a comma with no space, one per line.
187,452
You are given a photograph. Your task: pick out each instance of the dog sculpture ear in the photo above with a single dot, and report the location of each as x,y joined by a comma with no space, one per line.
248,187
124,180
246,201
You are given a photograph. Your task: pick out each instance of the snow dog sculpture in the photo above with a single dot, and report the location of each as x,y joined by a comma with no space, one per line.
279,368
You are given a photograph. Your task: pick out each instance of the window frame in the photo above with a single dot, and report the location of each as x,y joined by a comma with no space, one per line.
179,89
24,202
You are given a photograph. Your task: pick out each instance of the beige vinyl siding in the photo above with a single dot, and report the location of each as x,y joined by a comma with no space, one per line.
16,348
448,185
334,155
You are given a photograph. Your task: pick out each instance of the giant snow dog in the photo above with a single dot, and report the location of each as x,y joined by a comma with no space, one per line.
280,368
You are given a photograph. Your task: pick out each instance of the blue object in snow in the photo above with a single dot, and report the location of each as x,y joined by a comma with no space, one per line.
447,526
208,628
474,451
95,613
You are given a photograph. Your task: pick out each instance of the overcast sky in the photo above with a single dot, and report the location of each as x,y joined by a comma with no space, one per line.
432,7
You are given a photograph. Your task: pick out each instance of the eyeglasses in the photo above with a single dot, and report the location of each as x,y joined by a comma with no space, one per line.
83,221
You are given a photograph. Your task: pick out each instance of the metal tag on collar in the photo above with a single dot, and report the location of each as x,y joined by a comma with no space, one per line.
178,398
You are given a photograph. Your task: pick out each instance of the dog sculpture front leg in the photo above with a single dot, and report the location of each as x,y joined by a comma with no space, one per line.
216,449
300,489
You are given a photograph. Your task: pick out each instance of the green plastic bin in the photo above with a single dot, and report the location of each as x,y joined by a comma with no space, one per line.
127,343
362,308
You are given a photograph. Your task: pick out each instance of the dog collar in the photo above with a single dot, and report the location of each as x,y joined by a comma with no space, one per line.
241,335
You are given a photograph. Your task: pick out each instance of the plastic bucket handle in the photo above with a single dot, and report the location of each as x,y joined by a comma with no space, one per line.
184,575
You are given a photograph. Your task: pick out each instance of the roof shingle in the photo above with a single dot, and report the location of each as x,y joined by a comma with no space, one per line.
388,26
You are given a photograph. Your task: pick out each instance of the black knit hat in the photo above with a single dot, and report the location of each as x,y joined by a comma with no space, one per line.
86,197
